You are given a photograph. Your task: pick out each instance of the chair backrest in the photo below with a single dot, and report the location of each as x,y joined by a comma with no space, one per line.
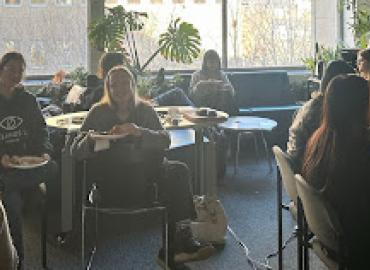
124,175
320,216
286,172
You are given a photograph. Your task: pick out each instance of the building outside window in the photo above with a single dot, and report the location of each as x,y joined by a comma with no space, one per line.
13,3
50,38
64,2
268,33
37,3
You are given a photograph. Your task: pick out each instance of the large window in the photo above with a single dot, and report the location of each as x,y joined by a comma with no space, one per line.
260,32
51,37
204,15
268,33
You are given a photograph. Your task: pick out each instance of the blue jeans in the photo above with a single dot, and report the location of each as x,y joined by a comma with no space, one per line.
173,97
14,183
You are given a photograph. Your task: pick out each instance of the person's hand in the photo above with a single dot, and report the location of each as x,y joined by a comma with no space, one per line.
46,156
5,161
127,128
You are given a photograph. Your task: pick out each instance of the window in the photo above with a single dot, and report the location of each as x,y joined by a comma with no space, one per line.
11,45
37,55
49,38
268,33
38,2
64,2
12,3
204,17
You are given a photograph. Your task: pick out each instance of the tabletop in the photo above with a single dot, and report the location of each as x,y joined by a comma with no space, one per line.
249,123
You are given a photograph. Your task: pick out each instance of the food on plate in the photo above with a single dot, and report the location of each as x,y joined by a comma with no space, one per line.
27,160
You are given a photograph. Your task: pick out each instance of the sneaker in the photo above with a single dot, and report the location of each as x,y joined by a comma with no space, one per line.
197,253
188,249
171,266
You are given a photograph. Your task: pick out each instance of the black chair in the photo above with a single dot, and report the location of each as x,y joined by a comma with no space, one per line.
115,183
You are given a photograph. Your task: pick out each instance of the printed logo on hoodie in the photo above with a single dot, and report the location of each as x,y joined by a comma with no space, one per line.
10,123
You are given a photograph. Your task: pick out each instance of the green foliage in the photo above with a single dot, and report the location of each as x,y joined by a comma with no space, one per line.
79,76
324,54
144,85
309,63
179,43
361,27
108,32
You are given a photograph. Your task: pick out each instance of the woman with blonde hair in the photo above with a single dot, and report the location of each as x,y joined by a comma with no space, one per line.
120,111
363,63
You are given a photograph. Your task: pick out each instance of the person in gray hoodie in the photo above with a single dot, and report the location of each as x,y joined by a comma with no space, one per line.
22,133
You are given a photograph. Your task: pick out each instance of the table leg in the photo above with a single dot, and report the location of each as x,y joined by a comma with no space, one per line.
236,163
198,156
266,151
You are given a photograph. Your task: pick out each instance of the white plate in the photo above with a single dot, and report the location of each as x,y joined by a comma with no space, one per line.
25,164
107,136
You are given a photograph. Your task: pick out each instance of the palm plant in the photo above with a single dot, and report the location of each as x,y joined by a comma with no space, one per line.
180,43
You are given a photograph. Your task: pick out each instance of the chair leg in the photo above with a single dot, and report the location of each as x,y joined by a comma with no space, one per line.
280,221
266,151
305,245
299,235
236,164
43,233
165,244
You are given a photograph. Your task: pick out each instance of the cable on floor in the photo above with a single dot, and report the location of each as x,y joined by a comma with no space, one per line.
285,244
256,265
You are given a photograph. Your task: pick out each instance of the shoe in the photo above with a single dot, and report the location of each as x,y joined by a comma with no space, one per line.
171,266
188,249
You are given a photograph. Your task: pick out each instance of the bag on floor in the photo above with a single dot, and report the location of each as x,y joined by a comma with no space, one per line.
211,223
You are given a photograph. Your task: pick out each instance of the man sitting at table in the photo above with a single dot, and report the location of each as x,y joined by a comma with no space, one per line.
121,112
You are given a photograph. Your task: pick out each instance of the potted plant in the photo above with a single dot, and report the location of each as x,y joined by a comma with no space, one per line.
180,42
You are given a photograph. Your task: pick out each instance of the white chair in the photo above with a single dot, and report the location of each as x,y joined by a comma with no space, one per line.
323,223
285,175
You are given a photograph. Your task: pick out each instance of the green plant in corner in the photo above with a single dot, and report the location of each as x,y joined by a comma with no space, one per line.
309,63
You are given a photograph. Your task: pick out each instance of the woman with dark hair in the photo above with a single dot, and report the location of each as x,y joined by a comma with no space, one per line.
337,161
120,111
363,63
308,118
22,133
210,87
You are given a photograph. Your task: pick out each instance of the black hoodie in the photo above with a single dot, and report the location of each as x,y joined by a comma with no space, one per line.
22,126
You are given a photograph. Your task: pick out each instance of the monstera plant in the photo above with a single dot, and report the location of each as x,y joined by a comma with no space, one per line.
180,43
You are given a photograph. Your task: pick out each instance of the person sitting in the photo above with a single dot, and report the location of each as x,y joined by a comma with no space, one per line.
210,87
308,118
122,112
22,133
363,63
337,162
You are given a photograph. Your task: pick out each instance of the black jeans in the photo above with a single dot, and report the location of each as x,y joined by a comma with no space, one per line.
15,182
176,194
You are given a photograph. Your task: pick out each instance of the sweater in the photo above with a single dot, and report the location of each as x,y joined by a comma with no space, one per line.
22,127
102,117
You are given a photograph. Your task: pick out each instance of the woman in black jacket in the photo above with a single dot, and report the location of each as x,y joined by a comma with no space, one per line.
22,133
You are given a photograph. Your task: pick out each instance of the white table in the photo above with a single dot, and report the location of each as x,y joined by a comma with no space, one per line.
250,125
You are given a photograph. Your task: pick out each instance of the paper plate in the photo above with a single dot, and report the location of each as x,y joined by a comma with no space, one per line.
29,162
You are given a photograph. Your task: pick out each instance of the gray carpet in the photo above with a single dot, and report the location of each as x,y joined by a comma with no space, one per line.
132,243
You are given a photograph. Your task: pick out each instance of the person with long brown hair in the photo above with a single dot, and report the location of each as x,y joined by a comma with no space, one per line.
308,118
120,111
337,160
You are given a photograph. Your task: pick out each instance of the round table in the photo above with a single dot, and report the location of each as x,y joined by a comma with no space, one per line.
249,125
